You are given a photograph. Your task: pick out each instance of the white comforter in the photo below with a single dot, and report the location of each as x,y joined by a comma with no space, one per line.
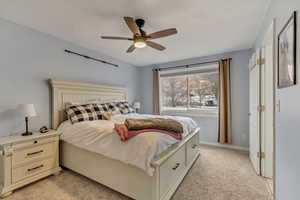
100,137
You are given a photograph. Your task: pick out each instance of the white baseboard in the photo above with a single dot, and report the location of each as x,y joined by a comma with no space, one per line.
228,146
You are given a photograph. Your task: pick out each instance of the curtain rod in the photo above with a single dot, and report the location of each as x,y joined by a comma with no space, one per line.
183,66
91,58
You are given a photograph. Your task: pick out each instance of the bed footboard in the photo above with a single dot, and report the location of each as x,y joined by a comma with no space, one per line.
170,168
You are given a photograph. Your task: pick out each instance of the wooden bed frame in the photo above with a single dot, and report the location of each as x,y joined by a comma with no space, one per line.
170,167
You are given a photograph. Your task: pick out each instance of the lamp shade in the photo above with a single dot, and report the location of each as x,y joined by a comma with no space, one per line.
26,110
137,105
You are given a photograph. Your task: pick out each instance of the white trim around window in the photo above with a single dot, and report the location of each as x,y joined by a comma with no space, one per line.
192,112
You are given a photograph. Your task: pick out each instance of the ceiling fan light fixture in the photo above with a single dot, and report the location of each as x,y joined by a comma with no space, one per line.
139,43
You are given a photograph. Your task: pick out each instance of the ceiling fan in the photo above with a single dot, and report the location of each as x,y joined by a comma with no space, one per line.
140,38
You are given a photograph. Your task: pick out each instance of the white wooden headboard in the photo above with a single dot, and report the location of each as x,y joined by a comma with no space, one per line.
68,91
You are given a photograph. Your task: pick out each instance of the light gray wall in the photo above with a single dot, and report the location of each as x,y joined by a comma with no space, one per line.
287,135
239,93
29,58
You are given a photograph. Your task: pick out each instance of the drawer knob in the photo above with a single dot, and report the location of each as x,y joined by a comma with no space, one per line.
34,153
176,166
35,168
194,146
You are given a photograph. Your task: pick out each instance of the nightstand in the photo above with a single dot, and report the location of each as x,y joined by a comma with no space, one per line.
25,159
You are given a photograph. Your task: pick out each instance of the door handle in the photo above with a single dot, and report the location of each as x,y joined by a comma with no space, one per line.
35,168
34,153
176,166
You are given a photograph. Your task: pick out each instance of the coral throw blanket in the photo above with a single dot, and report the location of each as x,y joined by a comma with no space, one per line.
126,134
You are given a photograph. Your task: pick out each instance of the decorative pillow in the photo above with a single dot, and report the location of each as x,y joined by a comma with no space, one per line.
107,115
69,104
87,112
109,107
125,108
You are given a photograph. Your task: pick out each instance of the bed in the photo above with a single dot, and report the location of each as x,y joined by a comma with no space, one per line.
170,166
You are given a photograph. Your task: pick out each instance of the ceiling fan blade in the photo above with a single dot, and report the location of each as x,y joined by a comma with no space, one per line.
130,49
115,38
155,45
132,25
163,33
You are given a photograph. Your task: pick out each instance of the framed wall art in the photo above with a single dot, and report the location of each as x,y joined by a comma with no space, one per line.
287,47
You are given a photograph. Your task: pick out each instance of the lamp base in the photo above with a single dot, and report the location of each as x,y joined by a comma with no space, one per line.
26,133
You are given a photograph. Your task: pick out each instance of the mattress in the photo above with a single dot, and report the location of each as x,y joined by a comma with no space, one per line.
100,137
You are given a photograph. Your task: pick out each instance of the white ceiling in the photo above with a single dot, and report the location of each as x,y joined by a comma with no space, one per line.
205,27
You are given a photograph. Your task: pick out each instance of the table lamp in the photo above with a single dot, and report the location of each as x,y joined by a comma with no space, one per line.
26,110
137,106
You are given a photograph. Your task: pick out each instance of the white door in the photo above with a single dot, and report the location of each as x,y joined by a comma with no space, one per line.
254,115
267,98
262,96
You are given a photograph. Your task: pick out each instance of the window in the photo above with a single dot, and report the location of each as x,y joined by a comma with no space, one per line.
191,89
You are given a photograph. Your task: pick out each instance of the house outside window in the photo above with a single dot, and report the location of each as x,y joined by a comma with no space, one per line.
191,90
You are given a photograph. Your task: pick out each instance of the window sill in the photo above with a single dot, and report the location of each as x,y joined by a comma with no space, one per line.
191,113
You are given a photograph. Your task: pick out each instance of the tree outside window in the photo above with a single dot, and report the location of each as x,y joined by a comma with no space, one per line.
190,91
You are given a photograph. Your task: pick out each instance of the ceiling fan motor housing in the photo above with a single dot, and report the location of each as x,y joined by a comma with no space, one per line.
140,23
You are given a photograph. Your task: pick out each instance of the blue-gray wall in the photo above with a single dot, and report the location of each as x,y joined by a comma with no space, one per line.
29,58
239,95
287,135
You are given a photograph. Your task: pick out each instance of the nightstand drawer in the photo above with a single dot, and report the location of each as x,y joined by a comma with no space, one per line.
39,141
32,169
33,153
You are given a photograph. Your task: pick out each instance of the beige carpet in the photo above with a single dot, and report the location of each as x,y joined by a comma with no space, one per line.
218,174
